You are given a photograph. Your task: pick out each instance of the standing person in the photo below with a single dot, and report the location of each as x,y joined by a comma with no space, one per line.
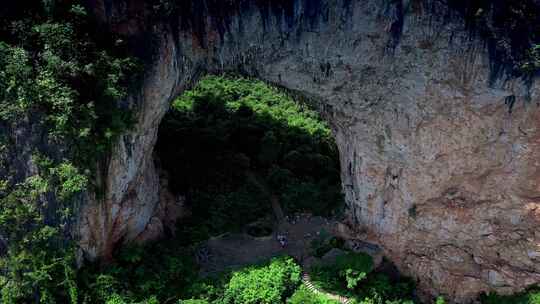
281,240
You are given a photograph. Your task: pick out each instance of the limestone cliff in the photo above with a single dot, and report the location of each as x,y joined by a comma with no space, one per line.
439,158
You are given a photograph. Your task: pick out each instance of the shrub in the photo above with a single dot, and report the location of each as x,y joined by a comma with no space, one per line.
351,276
118,299
193,301
531,296
380,300
140,275
353,267
440,300
267,284
344,274
304,296
324,242
379,285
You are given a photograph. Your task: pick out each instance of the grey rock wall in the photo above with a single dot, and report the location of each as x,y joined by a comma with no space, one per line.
434,166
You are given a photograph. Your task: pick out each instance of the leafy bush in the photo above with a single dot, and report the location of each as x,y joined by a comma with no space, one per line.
353,267
268,284
531,296
440,300
379,285
380,300
159,271
193,301
324,242
304,296
344,274
118,299
351,276
39,259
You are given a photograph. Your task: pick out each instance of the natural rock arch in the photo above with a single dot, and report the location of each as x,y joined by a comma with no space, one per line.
434,167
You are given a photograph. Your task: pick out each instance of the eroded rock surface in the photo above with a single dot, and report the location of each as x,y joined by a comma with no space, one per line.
434,166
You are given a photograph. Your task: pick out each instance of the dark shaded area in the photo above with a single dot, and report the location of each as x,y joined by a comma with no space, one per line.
60,80
396,14
197,16
220,156
352,275
17,19
163,271
528,296
229,145
16,10
510,29
134,20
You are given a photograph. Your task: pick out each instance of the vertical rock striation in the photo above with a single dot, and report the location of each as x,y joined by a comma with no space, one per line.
436,166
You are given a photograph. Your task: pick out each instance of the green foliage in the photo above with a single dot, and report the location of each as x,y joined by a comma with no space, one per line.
118,299
324,242
353,267
440,300
51,76
241,141
348,270
70,180
380,285
532,63
380,300
193,301
268,284
351,276
531,296
57,77
38,259
251,96
209,289
161,271
304,296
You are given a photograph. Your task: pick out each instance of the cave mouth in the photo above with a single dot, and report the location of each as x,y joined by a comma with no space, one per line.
243,156
234,147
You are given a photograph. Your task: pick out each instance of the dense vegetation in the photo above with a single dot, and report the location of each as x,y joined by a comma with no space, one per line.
279,282
59,88
221,121
242,142
62,83
351,275
136,280
165,273
531,296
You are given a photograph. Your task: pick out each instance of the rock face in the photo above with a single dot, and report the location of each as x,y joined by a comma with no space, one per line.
440,165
